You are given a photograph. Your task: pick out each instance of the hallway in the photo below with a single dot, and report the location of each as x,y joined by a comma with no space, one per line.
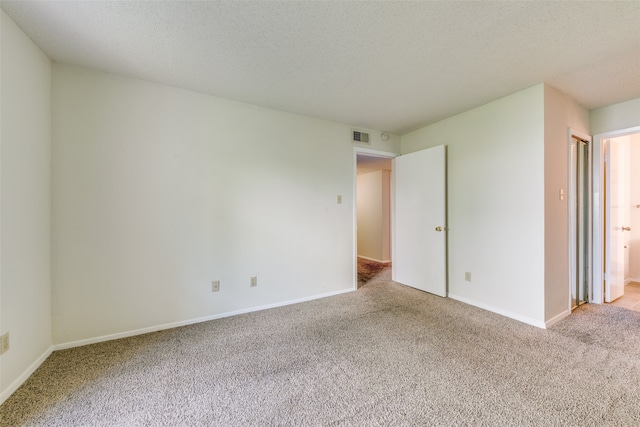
631,297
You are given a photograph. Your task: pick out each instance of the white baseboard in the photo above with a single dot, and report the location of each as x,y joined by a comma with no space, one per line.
135,332
375,260
631,279
35,365
515,316
25,375
557,318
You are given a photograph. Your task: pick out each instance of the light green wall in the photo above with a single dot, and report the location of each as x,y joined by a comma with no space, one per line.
495,161
560,114
159,191
25,279
615,117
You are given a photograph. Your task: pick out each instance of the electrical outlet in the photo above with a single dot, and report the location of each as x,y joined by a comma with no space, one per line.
215,286
467,276
254,281
4,343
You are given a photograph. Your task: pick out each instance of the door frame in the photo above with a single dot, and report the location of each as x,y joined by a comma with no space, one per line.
371,153
599,214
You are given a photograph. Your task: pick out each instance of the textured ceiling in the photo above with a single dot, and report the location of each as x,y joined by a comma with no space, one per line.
389,66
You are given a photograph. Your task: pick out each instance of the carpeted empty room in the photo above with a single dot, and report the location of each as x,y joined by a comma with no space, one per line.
201,200
385,355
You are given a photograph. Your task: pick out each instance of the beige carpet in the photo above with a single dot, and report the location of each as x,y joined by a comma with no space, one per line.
386,355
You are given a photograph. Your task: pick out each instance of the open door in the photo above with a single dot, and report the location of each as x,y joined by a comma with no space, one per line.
617,214
419,235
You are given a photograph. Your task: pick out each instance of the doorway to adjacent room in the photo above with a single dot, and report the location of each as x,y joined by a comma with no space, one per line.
413,218
373,218
622,220
617,218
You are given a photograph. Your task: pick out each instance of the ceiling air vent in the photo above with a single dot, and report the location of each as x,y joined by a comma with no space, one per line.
359,136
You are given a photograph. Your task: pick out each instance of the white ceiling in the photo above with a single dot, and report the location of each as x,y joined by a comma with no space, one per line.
390,66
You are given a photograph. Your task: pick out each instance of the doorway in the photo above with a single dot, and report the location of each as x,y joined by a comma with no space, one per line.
373,218
622,207
616,213
418,218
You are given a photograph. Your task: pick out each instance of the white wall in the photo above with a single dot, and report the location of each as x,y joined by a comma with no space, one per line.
560,114
634,250
386,215
373,203
25,286
496,196
159,191
615,117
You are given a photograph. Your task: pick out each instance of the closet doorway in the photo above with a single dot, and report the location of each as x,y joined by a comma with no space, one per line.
580,200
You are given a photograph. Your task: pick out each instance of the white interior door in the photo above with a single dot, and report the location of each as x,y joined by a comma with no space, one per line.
617,216
419,235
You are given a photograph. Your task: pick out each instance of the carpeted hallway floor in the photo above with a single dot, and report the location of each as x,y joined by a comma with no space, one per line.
631,297
371,272
386,355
